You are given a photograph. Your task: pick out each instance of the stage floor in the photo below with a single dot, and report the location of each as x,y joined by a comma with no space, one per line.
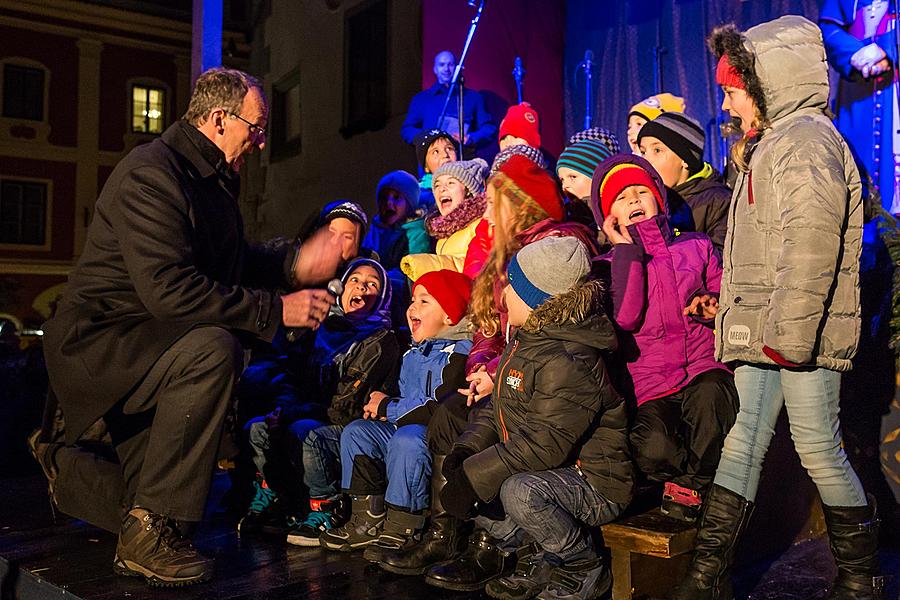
77,558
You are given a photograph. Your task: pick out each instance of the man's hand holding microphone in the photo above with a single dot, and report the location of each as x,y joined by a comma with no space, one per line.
318,262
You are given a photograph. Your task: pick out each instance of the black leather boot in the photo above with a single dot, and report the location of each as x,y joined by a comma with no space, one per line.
853,533
725,514
444,540
481,562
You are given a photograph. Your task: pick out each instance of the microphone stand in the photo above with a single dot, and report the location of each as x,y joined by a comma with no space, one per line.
588,66
518,74
457,76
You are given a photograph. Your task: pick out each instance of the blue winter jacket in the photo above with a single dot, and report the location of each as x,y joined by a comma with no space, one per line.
431,373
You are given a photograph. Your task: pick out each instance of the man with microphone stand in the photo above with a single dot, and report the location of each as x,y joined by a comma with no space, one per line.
425,109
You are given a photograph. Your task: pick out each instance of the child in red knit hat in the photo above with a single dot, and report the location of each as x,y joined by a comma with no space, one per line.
664,290
520,126
385,461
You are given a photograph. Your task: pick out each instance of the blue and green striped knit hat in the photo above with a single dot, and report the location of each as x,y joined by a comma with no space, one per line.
584,156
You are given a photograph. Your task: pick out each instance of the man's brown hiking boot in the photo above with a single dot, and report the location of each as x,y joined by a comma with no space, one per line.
151,546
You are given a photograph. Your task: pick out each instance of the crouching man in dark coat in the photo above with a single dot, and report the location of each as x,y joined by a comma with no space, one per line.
150,333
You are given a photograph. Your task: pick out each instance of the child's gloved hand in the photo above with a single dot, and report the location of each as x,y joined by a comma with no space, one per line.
703,306
370,410
457,496
454,461
480,385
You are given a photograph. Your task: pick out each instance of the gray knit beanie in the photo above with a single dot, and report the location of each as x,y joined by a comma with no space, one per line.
548,267
469,172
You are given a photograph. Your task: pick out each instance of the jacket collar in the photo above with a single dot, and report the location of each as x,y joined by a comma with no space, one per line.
655,232
438,89
186,140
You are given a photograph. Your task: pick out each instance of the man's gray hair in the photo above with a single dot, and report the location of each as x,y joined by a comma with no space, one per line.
219,87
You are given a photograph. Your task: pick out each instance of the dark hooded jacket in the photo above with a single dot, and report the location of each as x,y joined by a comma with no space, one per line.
553,404
707,198
353,358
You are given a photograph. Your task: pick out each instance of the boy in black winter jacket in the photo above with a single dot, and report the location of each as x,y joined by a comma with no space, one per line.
354,353
552,443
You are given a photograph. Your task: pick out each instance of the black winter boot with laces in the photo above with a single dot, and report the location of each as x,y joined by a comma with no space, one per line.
151,546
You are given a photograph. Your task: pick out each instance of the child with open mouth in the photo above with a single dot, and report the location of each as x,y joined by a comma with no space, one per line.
664,291
460,204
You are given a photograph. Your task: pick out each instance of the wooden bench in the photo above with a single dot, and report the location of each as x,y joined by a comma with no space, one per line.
650,552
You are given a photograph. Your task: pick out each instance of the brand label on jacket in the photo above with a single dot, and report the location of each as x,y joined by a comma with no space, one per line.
739,335
514,379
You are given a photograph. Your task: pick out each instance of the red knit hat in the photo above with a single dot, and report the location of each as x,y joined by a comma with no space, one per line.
621,177
530,185
726,74
521,121
451,289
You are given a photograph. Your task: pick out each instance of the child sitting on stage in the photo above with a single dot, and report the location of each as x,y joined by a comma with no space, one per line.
552,444
662,287
389,443
354,353
459,193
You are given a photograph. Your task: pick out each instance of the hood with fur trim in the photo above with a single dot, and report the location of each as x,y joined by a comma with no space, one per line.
576,315
782,63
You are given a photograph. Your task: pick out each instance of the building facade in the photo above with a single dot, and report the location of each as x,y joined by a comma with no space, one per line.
81,84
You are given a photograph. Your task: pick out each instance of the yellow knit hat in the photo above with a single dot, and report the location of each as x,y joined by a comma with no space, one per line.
652,107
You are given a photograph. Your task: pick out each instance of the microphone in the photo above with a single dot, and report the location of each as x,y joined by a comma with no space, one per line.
518,70
335,287
588,59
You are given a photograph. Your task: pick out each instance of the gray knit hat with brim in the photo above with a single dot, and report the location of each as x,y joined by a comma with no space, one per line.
470,172
547,268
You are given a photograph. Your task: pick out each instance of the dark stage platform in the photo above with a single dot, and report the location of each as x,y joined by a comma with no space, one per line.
70,559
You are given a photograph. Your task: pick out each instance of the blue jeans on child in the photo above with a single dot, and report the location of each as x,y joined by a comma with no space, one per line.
402,451
320,448
810,397
553,508
322,461
261,441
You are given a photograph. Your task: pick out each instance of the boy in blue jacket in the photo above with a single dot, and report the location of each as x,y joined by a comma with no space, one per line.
385,462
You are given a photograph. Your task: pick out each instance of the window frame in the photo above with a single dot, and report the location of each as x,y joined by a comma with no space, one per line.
150,83
281,147
370,122
48,215
20,61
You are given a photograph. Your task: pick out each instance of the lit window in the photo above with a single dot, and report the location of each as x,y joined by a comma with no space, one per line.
23,212
147,109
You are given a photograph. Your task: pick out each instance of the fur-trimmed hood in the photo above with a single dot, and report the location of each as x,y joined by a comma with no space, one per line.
782,63
576,315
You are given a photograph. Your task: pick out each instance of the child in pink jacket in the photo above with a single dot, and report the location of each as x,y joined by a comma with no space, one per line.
661,288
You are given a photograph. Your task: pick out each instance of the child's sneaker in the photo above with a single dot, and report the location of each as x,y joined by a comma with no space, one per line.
365,525
265,514
680,502
532,574
578,580
323,515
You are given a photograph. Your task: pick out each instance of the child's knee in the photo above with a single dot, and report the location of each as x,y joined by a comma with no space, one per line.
522,494
408,440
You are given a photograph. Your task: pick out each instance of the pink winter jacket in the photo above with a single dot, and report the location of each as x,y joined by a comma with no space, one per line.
653,279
